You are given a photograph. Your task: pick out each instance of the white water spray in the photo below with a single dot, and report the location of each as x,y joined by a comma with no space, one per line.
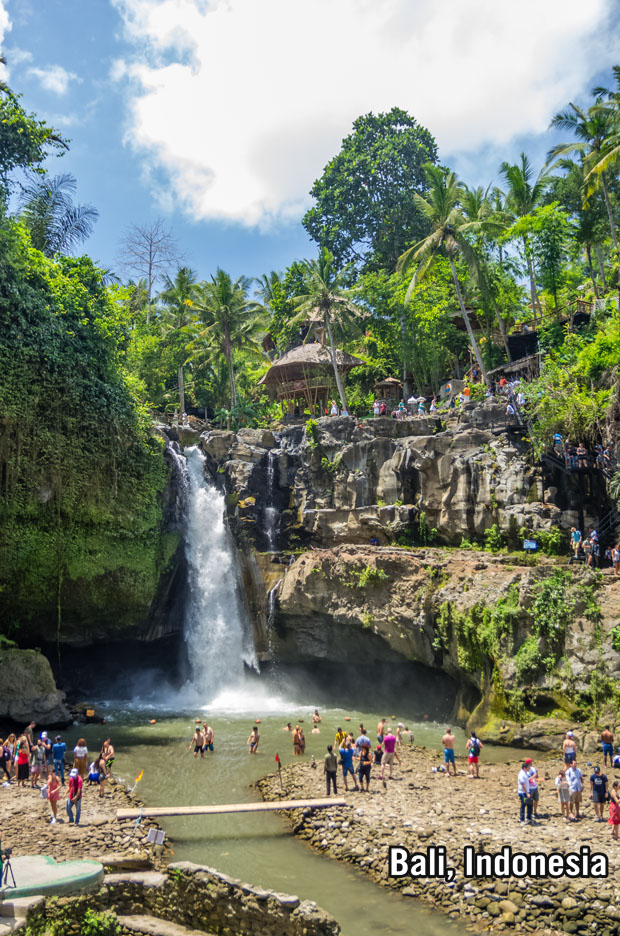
218,642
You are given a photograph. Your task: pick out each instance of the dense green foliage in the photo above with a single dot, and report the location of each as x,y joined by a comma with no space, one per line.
365,211
80,473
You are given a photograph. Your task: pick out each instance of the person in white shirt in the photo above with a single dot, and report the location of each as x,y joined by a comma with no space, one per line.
575,785
376,408
523,790
532,774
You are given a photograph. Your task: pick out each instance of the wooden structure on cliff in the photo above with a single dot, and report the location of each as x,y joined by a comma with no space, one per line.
305,375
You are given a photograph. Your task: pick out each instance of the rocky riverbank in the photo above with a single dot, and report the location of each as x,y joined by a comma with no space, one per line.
420,808
25,824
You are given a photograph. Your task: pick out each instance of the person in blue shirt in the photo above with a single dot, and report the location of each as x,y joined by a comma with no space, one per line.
59,749
346,757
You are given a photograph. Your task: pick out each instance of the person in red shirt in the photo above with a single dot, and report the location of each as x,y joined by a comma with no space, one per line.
75,796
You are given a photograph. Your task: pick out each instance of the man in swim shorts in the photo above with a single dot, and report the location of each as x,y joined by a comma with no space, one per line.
448,751
197,742
607,738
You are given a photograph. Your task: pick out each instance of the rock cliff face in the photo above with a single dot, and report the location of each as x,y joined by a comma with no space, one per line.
465,614
343,482
338,486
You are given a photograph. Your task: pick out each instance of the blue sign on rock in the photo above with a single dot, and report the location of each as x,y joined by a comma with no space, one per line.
530,545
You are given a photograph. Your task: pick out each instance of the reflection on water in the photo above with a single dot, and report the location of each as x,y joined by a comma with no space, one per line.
259,848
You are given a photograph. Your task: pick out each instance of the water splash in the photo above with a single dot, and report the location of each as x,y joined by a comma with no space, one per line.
217,638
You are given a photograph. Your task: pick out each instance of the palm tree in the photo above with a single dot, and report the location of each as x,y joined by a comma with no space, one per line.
56,225
178,321
267,285
329,297
524,195
447,238
485,223
232,322
592,130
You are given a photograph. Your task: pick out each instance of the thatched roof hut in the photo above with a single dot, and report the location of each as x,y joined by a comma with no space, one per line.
306,373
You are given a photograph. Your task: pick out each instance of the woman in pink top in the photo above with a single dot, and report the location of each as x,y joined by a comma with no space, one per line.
53,794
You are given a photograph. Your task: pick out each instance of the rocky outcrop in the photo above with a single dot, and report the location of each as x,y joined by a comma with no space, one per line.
28,691
466,614
342,481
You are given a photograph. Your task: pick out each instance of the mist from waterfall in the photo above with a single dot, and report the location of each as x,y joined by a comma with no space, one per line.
218,641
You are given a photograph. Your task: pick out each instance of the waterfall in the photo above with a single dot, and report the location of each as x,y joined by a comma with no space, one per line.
271,513
218,642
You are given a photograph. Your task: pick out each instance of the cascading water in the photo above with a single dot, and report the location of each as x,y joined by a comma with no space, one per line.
218,642
271,514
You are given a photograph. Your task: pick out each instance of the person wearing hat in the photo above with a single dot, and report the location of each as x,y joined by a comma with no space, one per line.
47,744
75,796
532,774
598,792
59,750
523,792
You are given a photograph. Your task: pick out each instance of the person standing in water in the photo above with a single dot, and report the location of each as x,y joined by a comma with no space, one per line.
197,742
296,744
448,751
381,730
341,737
207,732
253,740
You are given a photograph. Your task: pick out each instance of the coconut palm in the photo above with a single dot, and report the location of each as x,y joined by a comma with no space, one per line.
524,195
330,299
448,238
231,320
485,222
55,223
178,321
592,129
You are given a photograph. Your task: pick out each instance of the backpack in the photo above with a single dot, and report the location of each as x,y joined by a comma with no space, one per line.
474,749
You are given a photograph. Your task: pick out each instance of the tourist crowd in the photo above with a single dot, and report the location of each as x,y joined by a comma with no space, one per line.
41,763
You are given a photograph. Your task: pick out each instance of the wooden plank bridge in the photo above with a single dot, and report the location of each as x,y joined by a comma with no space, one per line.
154,812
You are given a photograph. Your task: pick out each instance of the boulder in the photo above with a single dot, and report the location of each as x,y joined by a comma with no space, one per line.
28,691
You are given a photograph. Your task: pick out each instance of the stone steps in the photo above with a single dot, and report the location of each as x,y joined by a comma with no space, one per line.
153,926
17,908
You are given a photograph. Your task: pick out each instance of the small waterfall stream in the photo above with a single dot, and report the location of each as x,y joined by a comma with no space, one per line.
271,514
218,641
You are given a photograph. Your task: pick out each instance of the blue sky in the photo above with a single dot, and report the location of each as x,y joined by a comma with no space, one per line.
217,115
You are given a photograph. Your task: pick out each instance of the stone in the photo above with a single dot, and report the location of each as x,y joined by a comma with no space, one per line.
28,691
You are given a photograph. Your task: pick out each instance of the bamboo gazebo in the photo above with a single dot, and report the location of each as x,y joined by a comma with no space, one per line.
305,375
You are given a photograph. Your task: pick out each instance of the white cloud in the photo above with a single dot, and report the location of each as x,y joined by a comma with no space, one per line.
54,78
242,102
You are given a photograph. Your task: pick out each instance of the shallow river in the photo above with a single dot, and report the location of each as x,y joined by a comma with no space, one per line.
259,849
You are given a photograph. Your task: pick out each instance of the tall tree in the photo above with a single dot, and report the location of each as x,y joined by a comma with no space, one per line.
364,211
149,252
328,295
25,141
592,129
447,237
524,194
55,223
178,319
232,321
